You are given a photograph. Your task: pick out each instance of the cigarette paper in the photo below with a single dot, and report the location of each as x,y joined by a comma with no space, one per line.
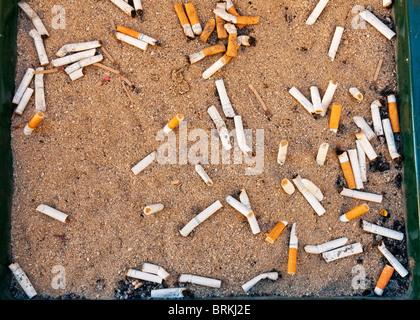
36,21
197,56
390,140
132,273
167,293
342,252
386,3
376,118
144,163
356,93
313,201
33,123
302,99
361,195
347,170
240,135
231,9
327,246
335,42
208,30
40,48
24,101
220,126
73,57
244,40
83,63
222,13
363,125
312,188
203,281
153,208
136,34
328,96
140,44
276,231
173,123
24,83
293,246
353,213
316,100
232,47
269,275
76,47
192,16
322,153
362,161
125,7
335,117
392,260
377,24
367,147
287,186
252,220
383,279
183,19
393,113
216,66
355,167
40,105
77,74
53,213
199,218
224,99
316,12
239,206
200,170
386,232
23,280
138,7
155,269
281,156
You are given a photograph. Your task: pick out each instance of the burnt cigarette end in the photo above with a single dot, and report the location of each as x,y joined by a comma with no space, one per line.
252,41
140,14
339,151
133,13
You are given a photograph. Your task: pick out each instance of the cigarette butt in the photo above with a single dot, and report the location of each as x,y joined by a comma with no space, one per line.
316,12
183,19
393,260
293,246
361,195
220,126
218,48
335,117
136,34
193,17
139,8
239,206
312,188
24,83
224,99
309,196
40,47
132,273
53,213
200,170
353,213
322,153
330,245
23,280
347,170
247,41
287,186
77,74
216,66
76,47
376,117
146,161
281,156
173,123
142,45
377,24
383,279
251,283
328,96
204,281
208,30
316,100
295,93
275,232
366,146
36,21
155,269
232,47
247,20
33,123
390,139
386,232
335,42
231,10
356,93
354,162
125,7
383,212
363,125
84,63
201,217
342,252
24,101
393,113
153,208
220,22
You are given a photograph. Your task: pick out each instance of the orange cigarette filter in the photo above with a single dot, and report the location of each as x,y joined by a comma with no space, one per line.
275,232
214,49
232,48
208,29
235,13
128,31
175,121
291,263
247,20
363,208
393,113
220,28
179,9
192,13
335,116
384,278
36,120
347,170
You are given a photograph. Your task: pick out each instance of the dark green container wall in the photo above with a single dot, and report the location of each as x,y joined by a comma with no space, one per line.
8,31
407,22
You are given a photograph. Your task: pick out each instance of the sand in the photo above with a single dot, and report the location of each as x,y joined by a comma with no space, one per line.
79,159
